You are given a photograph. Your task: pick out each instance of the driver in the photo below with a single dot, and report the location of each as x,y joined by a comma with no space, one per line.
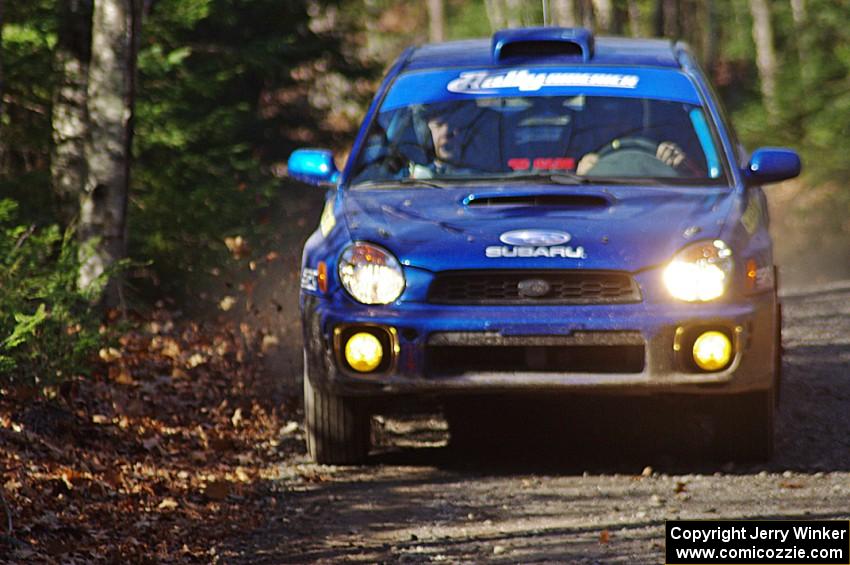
667,152
451,129
447,140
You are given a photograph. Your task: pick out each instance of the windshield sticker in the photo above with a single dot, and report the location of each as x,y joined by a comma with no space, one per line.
511,86
483,82
542,163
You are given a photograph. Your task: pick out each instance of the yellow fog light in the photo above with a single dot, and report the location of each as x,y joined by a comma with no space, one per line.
363,352
712,351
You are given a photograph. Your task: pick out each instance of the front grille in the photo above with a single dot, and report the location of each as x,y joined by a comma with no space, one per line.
452,354
533,287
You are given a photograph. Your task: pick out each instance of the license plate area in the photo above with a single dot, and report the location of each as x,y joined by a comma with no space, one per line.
457,353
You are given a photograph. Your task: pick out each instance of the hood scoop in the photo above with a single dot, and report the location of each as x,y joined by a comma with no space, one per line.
571,201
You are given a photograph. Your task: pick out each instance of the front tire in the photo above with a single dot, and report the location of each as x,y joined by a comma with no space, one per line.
337,427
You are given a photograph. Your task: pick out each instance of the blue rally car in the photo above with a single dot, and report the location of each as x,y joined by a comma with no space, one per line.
541,212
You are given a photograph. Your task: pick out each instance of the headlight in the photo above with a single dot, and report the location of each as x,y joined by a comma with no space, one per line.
370,274
700,272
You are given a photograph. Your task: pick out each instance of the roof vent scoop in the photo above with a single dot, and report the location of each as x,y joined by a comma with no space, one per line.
543,42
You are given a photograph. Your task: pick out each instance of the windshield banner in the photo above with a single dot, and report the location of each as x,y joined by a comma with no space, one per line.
426,87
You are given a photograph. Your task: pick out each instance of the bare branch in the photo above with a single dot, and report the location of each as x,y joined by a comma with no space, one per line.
24,237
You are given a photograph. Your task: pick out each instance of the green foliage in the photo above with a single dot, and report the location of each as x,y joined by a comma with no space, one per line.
227,88
47,330
466,19
29,34
221,98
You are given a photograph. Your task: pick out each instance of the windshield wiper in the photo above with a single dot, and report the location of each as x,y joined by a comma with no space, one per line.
561,177
656,181
567,178
405,181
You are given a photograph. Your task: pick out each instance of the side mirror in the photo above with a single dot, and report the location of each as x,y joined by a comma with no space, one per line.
772,164
313,166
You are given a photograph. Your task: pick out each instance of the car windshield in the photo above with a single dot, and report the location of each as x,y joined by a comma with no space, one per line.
583,133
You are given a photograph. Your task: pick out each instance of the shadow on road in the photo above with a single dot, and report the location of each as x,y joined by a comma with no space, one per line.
574,435
813,427
566,436
563,479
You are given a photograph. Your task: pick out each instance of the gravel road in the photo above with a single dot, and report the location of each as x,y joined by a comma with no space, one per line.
599,493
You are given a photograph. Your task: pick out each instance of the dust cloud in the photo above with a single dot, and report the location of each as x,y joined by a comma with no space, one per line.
811,235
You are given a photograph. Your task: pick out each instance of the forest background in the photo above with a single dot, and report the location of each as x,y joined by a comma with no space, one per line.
144,142
221,91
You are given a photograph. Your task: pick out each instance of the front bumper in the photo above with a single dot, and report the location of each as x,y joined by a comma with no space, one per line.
425,332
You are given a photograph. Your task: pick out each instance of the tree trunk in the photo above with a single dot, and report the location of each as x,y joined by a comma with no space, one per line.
564,13
495,13
798,14
634,18
765,54
436,21
513,13
69,120
671,19
111,87
709,41
2,89
604,15
658,19
586,9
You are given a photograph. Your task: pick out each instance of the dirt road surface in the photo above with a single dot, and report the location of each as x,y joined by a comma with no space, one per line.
594,490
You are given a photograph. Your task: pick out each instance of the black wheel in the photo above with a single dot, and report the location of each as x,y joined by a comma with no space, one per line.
337,427
746,426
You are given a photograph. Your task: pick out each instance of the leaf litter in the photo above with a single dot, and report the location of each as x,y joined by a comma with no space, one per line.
169,450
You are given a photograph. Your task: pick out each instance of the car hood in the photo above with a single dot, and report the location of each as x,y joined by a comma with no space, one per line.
616,227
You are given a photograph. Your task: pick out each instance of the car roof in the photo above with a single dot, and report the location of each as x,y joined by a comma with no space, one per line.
617,51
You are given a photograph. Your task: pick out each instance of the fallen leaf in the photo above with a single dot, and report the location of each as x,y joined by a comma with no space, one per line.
270,342
121,375
167,504
221,443
12,485
114,478
290,428
195,360
109,354
170,348
217,490
236,419
237,246
604,536
66,478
